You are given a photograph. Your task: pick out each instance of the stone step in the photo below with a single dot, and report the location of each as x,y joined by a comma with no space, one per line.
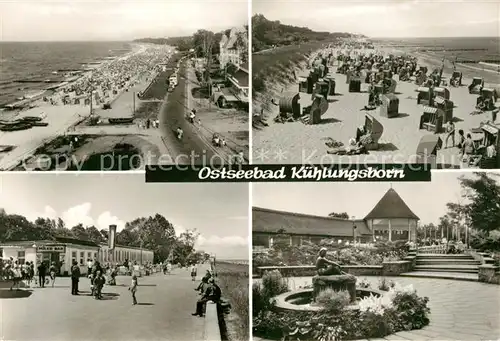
461,276
447,262
443,256
447,268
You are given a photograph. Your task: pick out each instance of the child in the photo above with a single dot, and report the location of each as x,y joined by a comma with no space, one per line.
133,289
53,271
98,284
193,273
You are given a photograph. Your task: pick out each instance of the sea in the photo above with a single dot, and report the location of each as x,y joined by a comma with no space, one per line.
38,62
466,49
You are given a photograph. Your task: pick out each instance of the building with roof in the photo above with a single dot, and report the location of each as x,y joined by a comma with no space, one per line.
239,81
230,50
390,220
63,251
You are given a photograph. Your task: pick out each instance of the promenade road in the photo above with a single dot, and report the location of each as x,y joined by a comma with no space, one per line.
163,313
192,149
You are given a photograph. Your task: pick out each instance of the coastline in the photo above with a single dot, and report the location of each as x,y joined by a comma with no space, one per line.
65,119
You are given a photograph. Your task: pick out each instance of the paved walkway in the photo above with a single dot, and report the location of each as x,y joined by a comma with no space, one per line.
163,313
460,310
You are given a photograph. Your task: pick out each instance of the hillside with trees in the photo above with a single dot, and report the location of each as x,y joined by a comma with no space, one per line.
154,233
267,34
202,42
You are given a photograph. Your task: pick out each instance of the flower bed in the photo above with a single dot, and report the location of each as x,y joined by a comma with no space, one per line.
400,309
376,254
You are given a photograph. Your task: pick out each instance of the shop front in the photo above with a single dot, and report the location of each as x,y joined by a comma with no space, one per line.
52,254
61,252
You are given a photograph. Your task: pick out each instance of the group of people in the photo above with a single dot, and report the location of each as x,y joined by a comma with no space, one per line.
19,272
110,77
208,291
466,144
148,123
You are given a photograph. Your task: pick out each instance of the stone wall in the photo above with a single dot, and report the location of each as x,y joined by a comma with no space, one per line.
488,273
483,257
386,269
396,268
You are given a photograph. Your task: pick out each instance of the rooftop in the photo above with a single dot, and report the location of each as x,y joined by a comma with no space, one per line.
391,206
272,221
240,78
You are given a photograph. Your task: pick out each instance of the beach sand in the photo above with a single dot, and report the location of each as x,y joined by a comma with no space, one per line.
26,142
296,142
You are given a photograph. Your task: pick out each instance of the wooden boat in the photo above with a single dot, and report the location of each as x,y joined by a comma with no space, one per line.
30,119
121,120
39,124
16,127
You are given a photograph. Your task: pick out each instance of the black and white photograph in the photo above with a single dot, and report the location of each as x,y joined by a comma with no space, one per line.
117,85
109,257
377,261
396,81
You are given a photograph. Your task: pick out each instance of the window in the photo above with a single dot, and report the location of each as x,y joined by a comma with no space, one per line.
82,256
95,254
21,256
89,255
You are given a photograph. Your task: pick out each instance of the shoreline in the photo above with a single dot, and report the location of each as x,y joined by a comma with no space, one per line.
75,76
65,118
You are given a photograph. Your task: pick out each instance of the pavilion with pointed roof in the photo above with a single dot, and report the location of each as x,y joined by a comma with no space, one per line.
390,220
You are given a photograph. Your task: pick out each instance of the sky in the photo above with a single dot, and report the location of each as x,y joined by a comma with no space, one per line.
426,199
115,20
389,18
218,211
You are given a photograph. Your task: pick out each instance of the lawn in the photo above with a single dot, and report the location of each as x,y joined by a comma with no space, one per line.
234,281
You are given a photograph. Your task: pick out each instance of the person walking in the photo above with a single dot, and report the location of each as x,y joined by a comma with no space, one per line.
42,272
193,272
89,266
75,278
17,275
31,273
133,289
450,130
99,282
53,273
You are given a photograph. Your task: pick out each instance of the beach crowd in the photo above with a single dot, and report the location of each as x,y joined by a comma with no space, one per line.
105,82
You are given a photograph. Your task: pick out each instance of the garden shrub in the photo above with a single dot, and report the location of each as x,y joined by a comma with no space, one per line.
486,243
385,285
333,301
273,284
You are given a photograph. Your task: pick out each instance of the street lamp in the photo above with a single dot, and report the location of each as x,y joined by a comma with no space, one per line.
354,230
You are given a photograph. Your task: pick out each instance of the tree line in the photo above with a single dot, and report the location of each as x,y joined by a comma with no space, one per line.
154,233
478,208
203,42
267,34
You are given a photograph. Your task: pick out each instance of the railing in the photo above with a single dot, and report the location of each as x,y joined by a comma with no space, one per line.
441,249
